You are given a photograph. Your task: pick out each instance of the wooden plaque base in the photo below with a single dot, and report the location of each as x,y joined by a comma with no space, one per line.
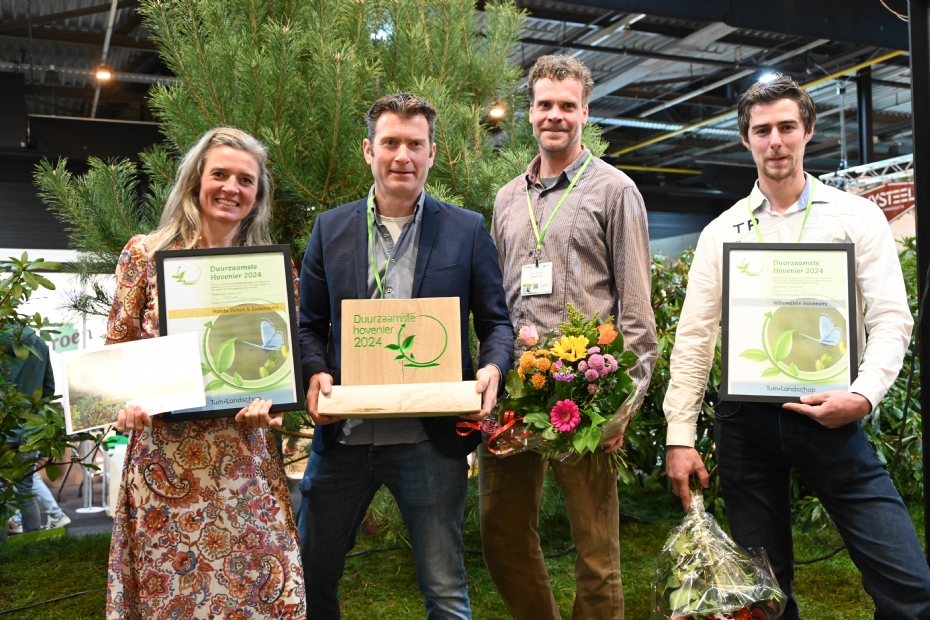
412,400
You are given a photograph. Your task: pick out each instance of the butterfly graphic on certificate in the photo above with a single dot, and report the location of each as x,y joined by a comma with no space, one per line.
831,337
271,339
272,342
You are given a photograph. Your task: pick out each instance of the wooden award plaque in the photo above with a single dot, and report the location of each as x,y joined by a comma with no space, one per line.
401,358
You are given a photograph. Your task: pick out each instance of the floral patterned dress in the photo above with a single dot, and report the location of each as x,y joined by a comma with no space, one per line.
204,526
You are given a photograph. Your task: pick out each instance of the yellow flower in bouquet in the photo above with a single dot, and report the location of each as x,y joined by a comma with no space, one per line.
571,348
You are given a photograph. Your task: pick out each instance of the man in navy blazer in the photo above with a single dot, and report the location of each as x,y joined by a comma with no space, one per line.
398,243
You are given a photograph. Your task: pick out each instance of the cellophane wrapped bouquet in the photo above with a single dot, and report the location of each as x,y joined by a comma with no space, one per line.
569,393
703,575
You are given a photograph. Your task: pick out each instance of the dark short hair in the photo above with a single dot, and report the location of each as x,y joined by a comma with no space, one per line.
782,87
557,67
407,105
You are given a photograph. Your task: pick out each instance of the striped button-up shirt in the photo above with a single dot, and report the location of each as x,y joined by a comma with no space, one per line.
598,244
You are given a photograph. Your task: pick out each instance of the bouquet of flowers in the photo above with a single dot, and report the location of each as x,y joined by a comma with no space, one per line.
568,394
704,575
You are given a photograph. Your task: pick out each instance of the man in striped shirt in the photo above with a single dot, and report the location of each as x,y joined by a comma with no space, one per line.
590,247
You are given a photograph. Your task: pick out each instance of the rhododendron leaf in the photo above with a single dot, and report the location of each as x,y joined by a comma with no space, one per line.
579,441
627,359
515,385
594,438
536,418
596,418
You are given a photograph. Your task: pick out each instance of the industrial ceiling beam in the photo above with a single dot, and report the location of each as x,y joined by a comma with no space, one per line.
117,76
727,115
630,74
630,51
78,37
54,17
736,76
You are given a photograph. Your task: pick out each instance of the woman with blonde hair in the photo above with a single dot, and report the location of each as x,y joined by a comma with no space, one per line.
204,525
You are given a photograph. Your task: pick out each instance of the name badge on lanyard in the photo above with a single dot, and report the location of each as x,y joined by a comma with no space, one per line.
536,280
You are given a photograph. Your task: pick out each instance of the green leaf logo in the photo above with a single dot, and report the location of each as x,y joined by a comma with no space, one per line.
226,355
755,355
404,347
782,347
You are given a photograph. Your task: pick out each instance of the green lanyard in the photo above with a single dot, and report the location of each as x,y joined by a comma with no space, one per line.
807,212
540,235
371,248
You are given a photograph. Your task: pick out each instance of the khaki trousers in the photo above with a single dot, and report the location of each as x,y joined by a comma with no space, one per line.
510,489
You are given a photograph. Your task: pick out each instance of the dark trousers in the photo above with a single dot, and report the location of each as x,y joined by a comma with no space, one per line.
757,446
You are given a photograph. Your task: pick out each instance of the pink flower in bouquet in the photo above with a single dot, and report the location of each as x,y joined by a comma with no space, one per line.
591,374
565,376
558,364
592,389
565,416
528,335
596,362
582,366
612,364
594,350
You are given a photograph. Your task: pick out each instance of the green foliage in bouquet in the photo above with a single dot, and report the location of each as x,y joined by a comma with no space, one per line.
568,390
29,423
703,574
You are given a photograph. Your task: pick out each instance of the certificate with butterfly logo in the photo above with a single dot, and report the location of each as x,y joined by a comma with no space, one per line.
789,320
240,303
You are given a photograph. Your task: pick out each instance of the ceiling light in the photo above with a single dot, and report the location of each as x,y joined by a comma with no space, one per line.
497,111
103,73
765,78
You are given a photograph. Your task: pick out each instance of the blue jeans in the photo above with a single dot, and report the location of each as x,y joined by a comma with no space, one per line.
757,446
31,519
44,498
429,488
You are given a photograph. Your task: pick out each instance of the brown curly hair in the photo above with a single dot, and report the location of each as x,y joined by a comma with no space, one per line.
557,67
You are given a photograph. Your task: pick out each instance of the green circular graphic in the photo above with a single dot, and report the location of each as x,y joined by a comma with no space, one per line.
818,340
248,351
407,343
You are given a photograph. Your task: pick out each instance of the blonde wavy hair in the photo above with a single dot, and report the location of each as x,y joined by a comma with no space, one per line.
180,219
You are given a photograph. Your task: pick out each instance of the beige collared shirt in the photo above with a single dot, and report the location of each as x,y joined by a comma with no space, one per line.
598,244
835,217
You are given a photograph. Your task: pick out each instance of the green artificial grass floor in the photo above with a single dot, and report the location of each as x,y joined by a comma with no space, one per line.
383,585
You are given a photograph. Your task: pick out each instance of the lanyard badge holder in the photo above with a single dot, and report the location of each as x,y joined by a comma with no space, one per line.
536,279
371,249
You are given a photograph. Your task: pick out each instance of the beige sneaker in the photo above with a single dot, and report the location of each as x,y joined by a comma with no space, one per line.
13,528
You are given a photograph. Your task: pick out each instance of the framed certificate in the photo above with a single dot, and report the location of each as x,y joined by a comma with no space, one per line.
789,320
240,303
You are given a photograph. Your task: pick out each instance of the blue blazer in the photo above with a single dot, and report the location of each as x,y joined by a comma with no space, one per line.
456,258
